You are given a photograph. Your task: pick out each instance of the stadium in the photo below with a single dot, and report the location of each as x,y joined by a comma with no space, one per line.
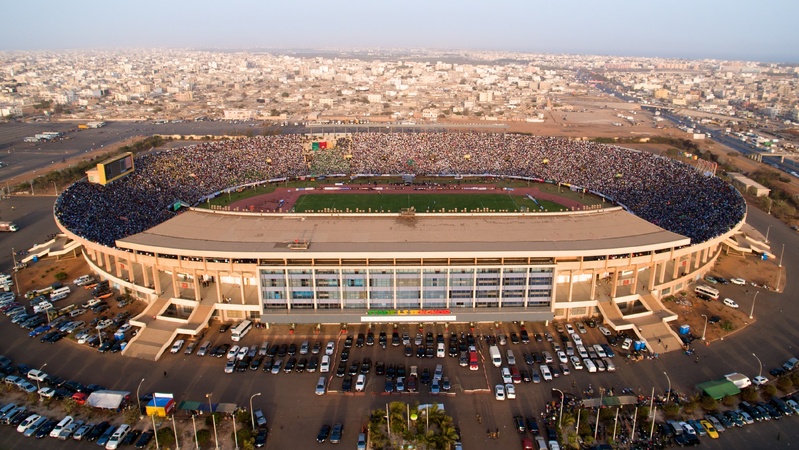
662,226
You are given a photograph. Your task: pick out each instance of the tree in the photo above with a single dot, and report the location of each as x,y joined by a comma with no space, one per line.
61,276
728,400
769,391
166,437
671,409
749,394
785,384
709,403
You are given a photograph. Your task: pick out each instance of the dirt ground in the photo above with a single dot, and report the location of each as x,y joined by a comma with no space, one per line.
690,308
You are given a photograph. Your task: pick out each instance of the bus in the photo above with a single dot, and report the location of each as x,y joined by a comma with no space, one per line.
706,292
241,330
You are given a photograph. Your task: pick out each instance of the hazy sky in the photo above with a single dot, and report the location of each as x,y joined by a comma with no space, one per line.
728,29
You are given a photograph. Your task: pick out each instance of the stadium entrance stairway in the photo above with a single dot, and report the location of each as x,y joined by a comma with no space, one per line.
650,326
159,331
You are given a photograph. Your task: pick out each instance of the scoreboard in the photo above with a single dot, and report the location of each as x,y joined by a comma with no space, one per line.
112,169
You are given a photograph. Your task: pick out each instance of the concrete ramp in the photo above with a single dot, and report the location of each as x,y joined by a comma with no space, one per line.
651,327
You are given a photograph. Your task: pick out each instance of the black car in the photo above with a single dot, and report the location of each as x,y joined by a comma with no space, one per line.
420,352
348,342
390,372
430,352
130,438
256,363
408,351
395,339
313,363
425,377
292,349
74,386
324,432
144,439
301,365
777,372
453,351
370,338
222,350
400,371
290,365
242,365
514,338
382,338
48,336
105,346
525,336
532,426
366,365
346,385
380,368
360,340
272,351
519,422
345,355
224,327
48,426
282,351
268,364
260,438
354,367
342,369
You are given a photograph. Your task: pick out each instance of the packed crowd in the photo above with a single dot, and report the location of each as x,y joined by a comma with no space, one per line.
652,187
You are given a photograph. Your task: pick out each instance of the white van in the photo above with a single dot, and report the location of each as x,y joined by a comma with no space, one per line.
42,307
28,422
117,437
65,422
496,356
60,293
589,365
320,386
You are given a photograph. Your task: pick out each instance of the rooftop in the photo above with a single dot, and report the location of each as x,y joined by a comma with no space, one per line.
199,232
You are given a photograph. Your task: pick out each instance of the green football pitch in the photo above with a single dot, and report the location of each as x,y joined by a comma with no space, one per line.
421,202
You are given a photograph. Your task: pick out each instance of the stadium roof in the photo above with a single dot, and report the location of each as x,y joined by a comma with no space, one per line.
199,232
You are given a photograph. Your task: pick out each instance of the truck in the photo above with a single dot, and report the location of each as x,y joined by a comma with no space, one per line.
8,226
739,379
496,356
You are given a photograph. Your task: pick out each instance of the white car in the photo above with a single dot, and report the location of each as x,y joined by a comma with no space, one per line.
626,344
577,363
569,328
124,328
91,303
759,380
331,348
360,383
37,375
604,331
325,364
233,352
730,302
510,391
562,357
230,366
506,377
176,346
577,339
242,353
738,281
499,392
47,392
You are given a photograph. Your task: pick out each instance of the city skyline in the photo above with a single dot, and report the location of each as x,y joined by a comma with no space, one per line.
710,30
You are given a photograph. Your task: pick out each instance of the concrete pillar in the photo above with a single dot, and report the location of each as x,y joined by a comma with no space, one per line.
676,271
663,271
571,285
197,292
654,270
157,280
107,262
634,289
218,284
615,281
593,284
118,265
145,275
175,287
241,287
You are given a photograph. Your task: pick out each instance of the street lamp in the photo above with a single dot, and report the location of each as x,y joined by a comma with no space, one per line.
759,365
213,420
252,412
668,394
752,311
705,328
138,399
562,401
782,253
37,380
767,232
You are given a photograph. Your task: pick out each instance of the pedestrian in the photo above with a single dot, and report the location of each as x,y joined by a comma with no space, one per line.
697,360
165,374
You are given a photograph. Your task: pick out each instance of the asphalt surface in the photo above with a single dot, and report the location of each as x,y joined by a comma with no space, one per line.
295,414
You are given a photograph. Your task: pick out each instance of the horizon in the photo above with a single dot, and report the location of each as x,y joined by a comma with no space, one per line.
685,30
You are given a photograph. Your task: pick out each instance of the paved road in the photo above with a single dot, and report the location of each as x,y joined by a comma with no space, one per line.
292,410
